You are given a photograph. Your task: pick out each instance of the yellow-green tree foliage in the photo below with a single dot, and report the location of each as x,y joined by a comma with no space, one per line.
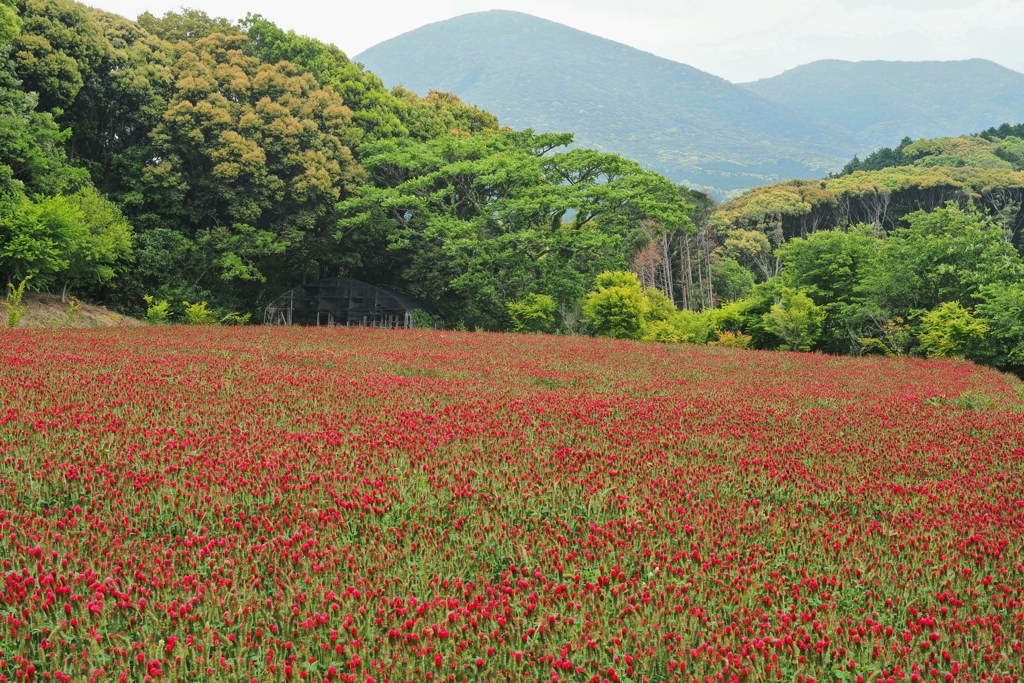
250,156
949,330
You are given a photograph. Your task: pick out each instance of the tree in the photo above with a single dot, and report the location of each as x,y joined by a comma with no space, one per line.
829,267
440,113
376,112
32,158
616,308
472,221
1002,311
59,47
795,319
947,255
101,240
248,162
949,330
190,26
731,280
34,238
533,313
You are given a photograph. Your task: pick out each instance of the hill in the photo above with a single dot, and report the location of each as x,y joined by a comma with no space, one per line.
687,124
881,102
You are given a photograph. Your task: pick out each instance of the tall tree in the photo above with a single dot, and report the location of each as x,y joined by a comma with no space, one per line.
249,161
473,222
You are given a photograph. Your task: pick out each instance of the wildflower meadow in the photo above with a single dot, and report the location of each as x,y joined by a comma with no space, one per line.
252,504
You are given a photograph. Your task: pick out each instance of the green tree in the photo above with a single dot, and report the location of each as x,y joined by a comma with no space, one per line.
947,255
470,222
533,313
730,280
32,157
829,266
616,308
1002,311
189,25
59,47
249,160
440,113
950,330
98,243
376,112
34,238
795,319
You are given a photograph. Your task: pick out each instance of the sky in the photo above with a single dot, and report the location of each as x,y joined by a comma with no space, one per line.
739,40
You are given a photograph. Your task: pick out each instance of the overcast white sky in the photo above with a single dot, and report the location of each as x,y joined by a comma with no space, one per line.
739,40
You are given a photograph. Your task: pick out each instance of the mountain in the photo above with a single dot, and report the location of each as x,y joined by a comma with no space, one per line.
881,102
687,124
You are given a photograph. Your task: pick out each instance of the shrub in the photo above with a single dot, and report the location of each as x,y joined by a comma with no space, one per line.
533,313
199,313
735,339
13,303
157,310
949,330
795,319
617,308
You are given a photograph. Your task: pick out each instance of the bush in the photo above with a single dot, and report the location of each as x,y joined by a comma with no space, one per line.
949,330
617,308
533,313
662,331
735,339
795,319
13,303
199,313
157,310
688,327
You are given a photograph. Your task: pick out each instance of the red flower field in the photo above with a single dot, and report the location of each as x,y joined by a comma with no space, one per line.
253,504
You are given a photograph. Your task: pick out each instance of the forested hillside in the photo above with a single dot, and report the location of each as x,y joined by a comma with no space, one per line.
880,102
193,159
915,249
687,124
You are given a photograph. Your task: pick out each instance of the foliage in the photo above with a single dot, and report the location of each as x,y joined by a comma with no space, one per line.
691,327
730,280
734,339
475,221
896,340
198,313
533,313
157,310
616,308
34,237
78,238
13,302
795,319
250,159
829,266
946,255
100,242
1002,311
949,330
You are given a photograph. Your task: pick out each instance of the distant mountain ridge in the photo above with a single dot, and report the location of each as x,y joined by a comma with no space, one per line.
687,124
881,102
